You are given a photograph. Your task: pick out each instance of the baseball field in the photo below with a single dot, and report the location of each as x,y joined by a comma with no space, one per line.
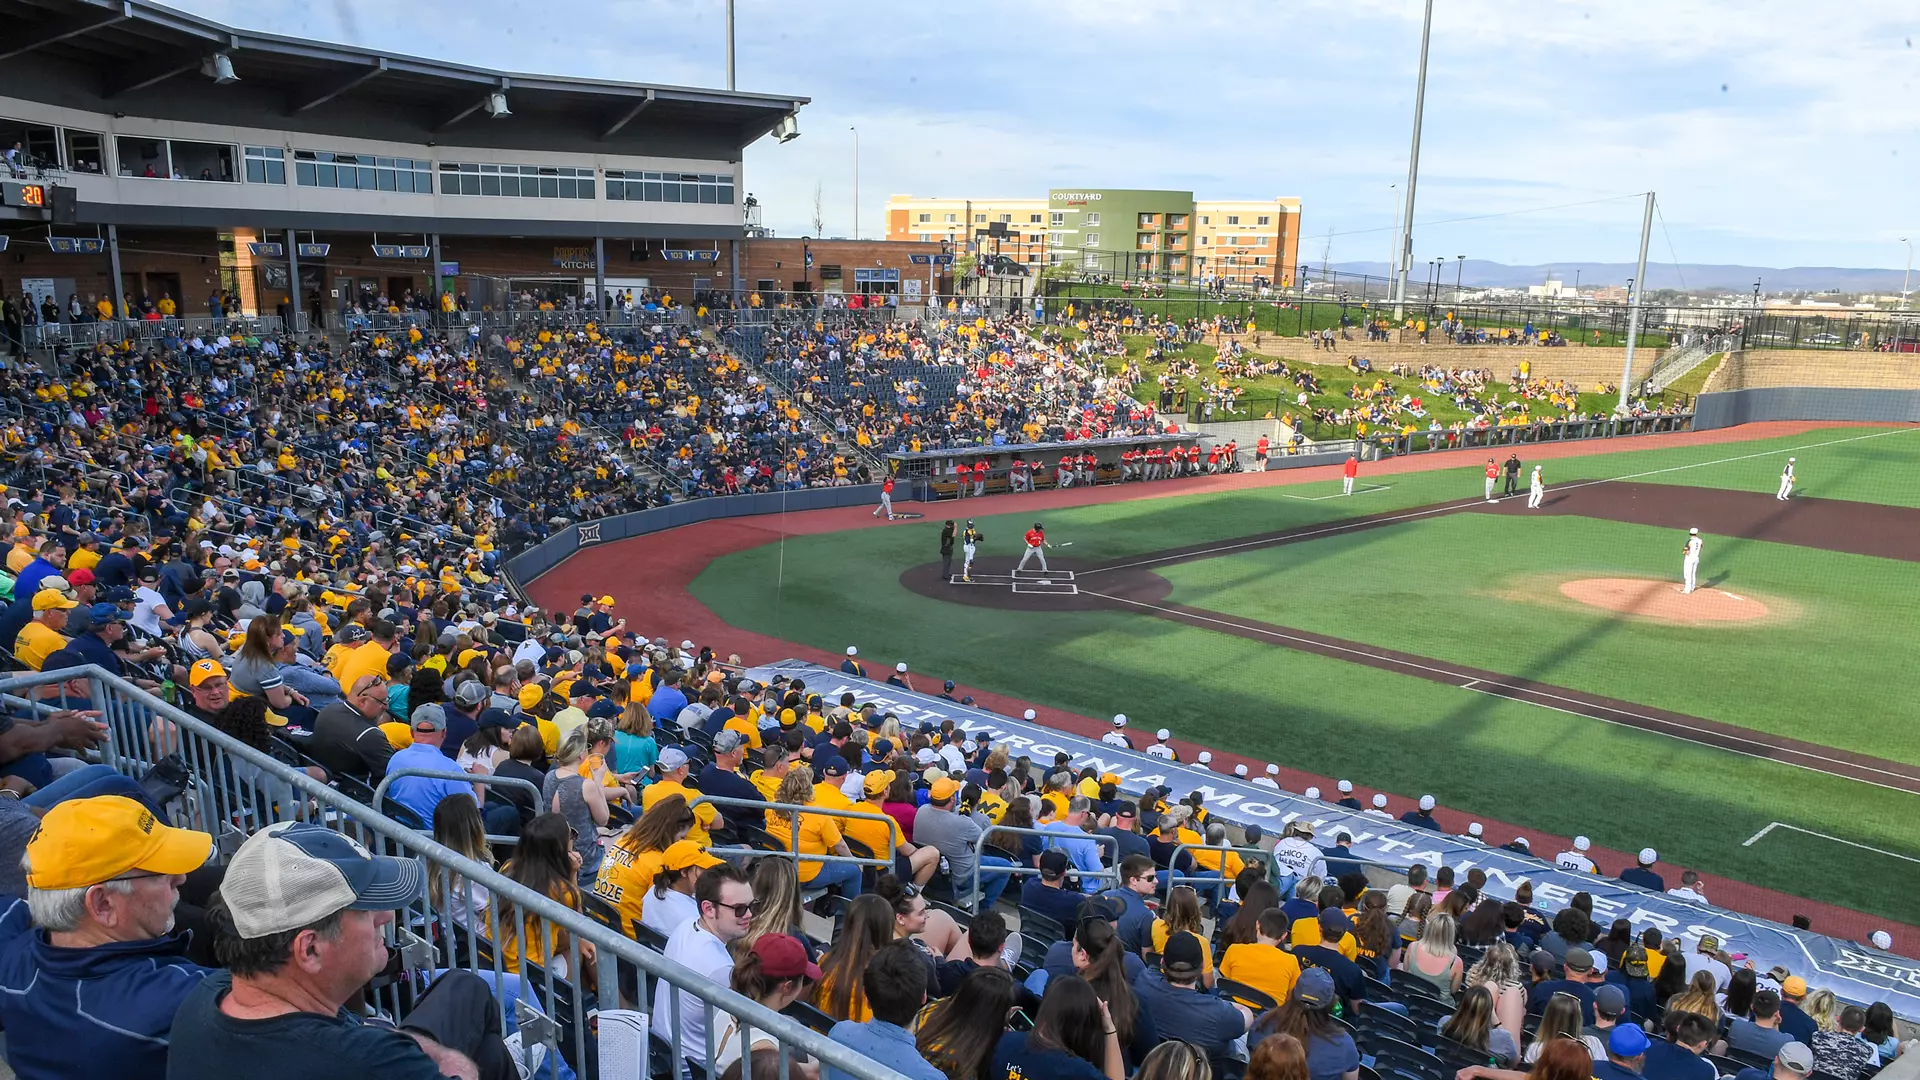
1534,666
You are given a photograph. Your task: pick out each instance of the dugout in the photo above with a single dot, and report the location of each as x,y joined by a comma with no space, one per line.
933,474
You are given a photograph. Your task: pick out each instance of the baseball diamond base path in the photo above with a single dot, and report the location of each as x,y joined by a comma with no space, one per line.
650,575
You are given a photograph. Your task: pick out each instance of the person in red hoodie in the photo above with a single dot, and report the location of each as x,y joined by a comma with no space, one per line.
1347,472
886,498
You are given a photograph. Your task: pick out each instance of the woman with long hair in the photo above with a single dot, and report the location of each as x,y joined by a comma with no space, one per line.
958,1033
1176,1059
1499,971
1879,1031
1433,959
1377,946
1823,1008
1100,958
1561,1059
1613,944
1182,912
580,795
1473,1026
1413,921
776,903
546,861
868,929
457,824
253,670
1700,996
1484,923
776,973
1307,1015
1562,1019
635,857
1673,972
1244,927
1278,1057
1073,1038
1738,1001
634,747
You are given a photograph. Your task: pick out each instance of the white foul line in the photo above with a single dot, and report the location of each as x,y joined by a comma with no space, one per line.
1446,507
1864,847
1653,725
1323,498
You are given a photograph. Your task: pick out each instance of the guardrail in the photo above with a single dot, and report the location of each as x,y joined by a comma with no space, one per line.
484,779
227,782
1675,363
1112,872
1220,878
793,836
1608,427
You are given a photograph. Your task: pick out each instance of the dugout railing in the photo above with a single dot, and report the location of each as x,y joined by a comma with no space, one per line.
1110,873
462,923
1607,427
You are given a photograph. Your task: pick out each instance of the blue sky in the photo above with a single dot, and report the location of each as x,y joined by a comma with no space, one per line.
1777,133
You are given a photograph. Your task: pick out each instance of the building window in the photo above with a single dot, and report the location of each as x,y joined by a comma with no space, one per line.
1206,219
1259,260
1033,219
1148,221
358,172
1033,238
925,218
926,237
979,219
952,218
1056,239
1092,240
829,272
1090,219
1176,221
1265,219
86,152
1057,218
1006,219
1143,240
266,164
1233,219
631,185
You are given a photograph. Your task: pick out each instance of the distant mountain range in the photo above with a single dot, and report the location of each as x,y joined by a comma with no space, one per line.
1695,276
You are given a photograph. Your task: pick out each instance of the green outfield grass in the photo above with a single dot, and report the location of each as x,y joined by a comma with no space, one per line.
1481,590
1483,755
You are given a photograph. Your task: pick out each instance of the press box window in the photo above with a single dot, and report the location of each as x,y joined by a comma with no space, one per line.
516,181
266,164
634,185
361,172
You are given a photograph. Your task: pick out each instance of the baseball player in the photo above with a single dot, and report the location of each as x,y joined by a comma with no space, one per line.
1204,762
980,477
1689,565
1576,860
1118,736
1063,474
1347,473
1036,545
1160,748
886,499
1786,482
1260,450
1493,475
1536,490
970,539
1271,781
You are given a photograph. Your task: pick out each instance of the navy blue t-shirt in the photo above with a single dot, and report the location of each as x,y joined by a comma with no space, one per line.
1013,1059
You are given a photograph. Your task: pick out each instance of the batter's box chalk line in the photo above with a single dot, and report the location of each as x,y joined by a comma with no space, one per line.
1050,575
1046,588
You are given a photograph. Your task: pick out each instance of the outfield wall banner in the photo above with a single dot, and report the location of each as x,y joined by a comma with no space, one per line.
1855,972
1731,407
526,565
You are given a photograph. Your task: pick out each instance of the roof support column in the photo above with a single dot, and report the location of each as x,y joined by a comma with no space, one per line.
293,283
600,277
116,290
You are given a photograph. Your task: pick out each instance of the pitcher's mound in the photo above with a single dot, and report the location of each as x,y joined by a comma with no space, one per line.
1663,601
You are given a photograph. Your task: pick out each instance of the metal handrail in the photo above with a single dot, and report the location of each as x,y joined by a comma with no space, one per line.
795,810
1017,870
139,722
1175,877
380,790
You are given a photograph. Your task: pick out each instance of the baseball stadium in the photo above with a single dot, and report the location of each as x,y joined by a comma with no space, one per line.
1502,682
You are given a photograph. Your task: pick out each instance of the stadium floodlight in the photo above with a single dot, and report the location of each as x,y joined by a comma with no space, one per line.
219,68
787,130
497,105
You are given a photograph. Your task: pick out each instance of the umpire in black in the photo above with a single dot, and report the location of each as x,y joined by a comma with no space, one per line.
1513,472
946,551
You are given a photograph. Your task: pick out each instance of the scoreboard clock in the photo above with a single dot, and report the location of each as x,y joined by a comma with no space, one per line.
33,196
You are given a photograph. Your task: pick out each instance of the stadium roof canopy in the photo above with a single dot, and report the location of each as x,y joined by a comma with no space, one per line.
139,58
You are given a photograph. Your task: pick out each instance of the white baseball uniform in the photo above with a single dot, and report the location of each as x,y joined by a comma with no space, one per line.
1786,482
1573,860
1536,490
1690,565
1117,738
1161,751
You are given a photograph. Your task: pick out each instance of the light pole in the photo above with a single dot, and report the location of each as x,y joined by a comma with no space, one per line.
1904,278
1459,271
1413,172
1393,256
856,181
729,44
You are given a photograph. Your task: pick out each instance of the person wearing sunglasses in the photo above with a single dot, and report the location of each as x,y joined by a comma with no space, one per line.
725,899
347,739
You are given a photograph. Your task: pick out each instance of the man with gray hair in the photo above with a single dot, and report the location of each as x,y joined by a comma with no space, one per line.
103,876
303,928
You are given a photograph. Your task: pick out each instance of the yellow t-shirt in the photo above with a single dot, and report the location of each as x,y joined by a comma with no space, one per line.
827,795
1267,968
882,838
626,877
83,559
36,642
767,786
751,731
818,835
1206,947
704,815
367,659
